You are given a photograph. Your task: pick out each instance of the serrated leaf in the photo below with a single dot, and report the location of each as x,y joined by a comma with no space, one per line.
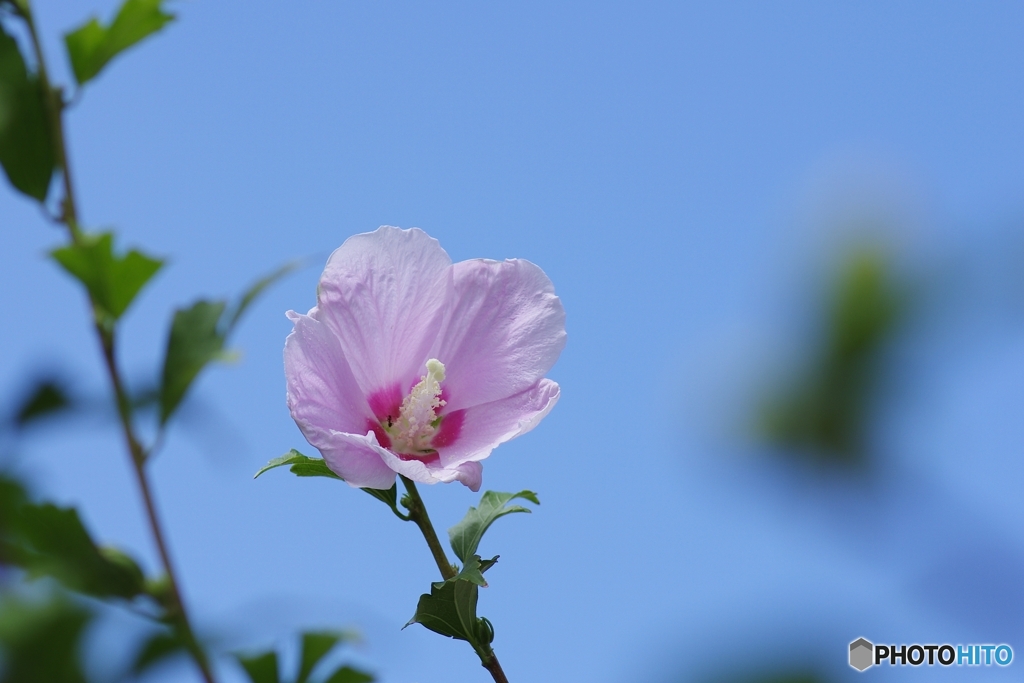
473,571
112,281
347,674
301,465
26,145
92,45
314,646
262,668
449,609
304,466
466,535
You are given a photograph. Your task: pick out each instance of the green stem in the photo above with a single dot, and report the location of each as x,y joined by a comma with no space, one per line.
418,514
106,334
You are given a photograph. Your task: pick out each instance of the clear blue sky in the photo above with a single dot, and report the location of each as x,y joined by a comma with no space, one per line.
678,170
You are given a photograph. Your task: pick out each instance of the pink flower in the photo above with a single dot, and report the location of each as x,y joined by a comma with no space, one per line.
413,365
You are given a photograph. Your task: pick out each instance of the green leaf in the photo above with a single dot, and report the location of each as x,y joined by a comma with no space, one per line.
301,465
55,543
92,45
390,498
347,674
195,340
314,646
450,608
474,571
305,466
46,398
254,291
198,337
41,642
112,281
158,648
262,668
465,536
26,146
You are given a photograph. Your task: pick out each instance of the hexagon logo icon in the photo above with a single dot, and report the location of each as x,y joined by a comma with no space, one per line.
862,654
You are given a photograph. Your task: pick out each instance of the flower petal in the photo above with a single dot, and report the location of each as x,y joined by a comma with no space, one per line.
322,392
471,474
357,460
503,333
384,294
486,426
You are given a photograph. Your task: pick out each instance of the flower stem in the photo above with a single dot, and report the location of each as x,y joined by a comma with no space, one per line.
418,514
106,333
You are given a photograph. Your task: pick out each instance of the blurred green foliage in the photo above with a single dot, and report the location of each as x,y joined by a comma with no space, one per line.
40,641
47,397
92,45
264,667
823,412
26,149
113,281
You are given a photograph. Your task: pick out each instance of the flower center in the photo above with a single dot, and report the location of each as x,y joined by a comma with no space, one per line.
417,422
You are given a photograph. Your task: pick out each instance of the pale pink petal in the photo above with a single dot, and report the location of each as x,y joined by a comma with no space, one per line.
384,294
482,428
357,460
504,331
322,393
471,474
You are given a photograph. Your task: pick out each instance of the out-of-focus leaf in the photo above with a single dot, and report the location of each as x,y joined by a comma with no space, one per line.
195,341
92,45
450,608
823,412
304,466
315,645
12,498
112,281
254,291
55,543
46,398
158,648
26,146
347,674
40,642
198,337
465,536
262,668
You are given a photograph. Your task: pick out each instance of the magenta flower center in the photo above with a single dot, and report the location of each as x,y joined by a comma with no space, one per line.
414,429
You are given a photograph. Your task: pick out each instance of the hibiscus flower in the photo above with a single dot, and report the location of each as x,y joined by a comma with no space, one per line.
413,365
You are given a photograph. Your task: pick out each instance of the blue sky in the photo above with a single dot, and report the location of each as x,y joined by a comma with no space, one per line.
684,174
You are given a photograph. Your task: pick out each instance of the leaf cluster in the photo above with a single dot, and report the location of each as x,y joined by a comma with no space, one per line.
264,667
49,541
